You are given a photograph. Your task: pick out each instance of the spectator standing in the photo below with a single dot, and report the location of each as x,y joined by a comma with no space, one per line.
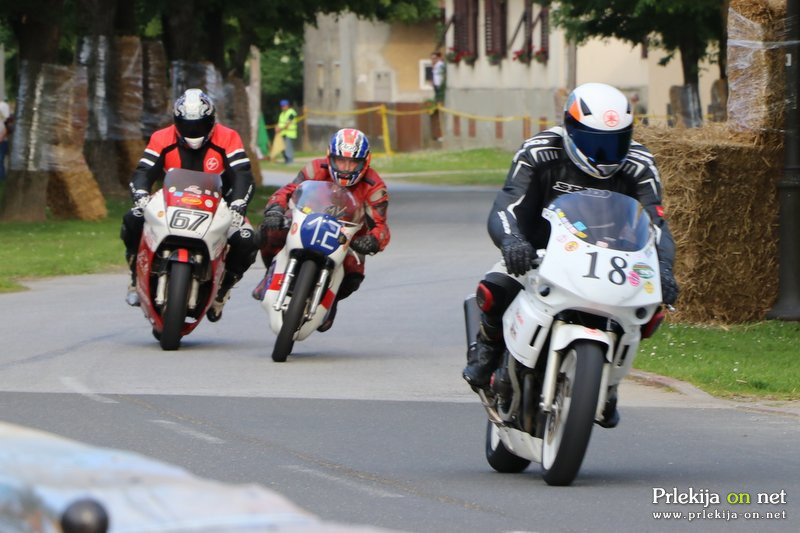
287,128
439,81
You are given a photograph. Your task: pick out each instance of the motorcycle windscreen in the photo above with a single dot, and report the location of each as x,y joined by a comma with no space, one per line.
191,180
328,198
604,218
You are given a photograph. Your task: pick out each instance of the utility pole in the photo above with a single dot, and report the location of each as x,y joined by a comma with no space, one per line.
788,305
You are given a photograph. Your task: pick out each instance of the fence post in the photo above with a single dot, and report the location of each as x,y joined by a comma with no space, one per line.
306,137
542,123
526,127
387,144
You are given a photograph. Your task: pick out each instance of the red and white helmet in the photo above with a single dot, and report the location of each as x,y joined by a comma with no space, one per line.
598,127
348,156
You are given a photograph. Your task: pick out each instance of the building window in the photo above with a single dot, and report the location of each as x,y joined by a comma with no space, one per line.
529,23
495,30
465,34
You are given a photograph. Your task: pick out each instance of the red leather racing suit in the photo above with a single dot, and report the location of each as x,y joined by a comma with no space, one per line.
370,191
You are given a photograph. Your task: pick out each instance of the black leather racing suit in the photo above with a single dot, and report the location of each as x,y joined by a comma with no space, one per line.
541,171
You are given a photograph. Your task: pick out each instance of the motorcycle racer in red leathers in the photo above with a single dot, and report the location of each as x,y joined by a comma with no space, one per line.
347,164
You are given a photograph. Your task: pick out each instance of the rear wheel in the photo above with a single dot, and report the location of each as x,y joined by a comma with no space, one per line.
293,317
174,312
498,455
569,424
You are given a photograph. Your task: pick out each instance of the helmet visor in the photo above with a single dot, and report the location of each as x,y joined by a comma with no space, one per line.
600,147
192,129
347,169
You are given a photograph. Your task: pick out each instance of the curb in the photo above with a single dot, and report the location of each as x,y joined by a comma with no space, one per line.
777,407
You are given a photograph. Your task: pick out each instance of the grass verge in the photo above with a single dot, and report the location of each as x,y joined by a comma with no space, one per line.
752,360
481,166
67,247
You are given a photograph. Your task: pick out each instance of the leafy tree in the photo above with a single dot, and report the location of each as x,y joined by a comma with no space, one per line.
689,26
281,74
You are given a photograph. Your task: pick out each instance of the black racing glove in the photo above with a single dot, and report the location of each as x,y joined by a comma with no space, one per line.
274,217
518,254
365,245
669,287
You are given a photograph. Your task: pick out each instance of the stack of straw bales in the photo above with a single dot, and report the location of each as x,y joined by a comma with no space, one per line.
720,180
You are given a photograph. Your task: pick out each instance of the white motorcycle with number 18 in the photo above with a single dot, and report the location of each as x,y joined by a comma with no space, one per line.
571,333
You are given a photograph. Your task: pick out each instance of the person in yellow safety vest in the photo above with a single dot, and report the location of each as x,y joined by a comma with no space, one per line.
287,128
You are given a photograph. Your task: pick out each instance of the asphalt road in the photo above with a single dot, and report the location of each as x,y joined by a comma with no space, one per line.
370,423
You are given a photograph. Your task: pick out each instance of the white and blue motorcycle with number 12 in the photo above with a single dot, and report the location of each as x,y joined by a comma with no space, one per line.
305,275
571,333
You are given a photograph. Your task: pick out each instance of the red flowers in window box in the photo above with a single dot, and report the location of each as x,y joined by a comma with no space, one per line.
457,56
525,55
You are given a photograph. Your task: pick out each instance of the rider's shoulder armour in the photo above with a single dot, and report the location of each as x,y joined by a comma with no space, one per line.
543,147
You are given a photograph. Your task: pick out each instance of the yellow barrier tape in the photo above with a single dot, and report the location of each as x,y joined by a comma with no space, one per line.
482,117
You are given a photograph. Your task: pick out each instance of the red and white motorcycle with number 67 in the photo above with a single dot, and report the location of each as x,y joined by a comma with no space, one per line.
571,333
305,275
181,258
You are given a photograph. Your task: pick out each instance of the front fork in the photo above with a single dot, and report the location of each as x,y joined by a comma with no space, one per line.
161,284
319,289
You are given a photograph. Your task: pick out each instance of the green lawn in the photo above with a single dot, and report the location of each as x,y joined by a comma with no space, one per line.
758,359
65,247
481,166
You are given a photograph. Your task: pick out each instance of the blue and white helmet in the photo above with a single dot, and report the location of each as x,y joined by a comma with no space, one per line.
194,116
348,144
598,127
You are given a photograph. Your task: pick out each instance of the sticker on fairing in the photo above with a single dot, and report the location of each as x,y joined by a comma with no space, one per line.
320,233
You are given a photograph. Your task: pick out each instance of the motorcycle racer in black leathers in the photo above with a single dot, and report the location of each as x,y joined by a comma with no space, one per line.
592,149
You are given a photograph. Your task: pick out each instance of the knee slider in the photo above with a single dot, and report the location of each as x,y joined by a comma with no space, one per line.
495,293
242,251
484,297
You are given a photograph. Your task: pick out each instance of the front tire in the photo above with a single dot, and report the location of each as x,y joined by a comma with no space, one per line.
174,313
569,425
293,318
498,455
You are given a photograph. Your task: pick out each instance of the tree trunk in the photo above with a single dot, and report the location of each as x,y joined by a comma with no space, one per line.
48,169
691,106
182,37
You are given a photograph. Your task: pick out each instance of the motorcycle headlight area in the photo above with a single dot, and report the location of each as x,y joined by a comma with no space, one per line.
321,233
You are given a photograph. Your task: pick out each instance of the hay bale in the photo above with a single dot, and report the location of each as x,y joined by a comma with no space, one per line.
720,200
129,151
71,194
755,65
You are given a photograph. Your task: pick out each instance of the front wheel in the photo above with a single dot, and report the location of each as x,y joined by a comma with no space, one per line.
569,424
498,455
293,318
174,312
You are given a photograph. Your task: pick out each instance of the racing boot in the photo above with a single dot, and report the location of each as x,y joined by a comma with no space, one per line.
132,297
214,312
350,284
261,289
483,356
610,411
327,323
